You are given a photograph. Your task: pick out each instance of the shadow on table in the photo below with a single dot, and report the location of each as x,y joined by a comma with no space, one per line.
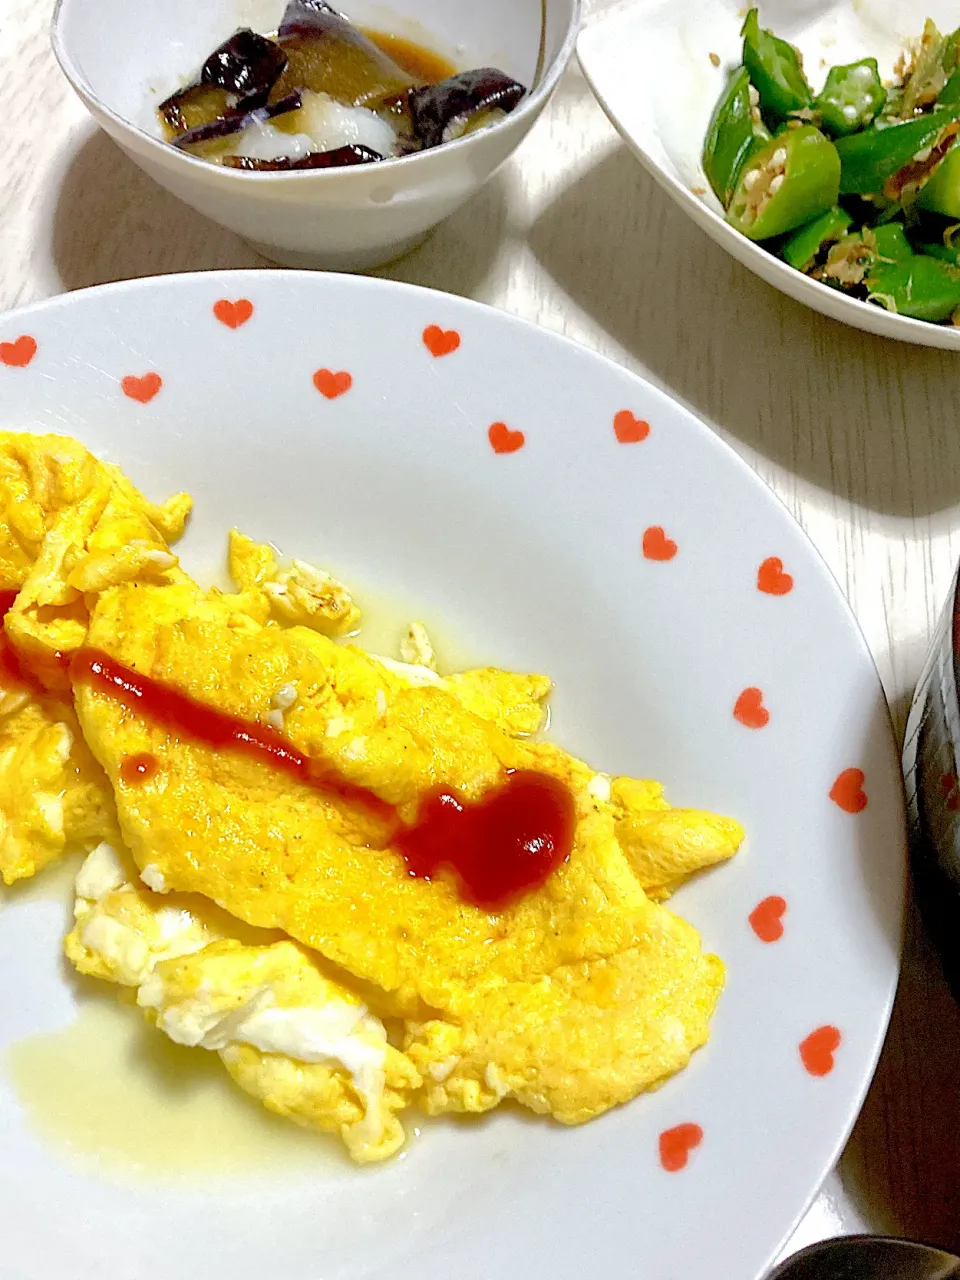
112,222
902,1164
732,347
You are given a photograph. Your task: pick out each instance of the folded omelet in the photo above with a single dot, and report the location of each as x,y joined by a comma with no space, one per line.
369,990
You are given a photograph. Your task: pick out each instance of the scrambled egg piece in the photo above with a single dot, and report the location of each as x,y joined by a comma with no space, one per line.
53,794
302,594
417,648
69,525
52,489
300,1043
666,846
123,931
72,525
296,1040
572,999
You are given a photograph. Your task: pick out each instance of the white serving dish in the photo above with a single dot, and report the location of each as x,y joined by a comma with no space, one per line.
541,558
123,57
663,111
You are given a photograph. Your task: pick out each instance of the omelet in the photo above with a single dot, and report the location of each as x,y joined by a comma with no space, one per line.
279,854
267,919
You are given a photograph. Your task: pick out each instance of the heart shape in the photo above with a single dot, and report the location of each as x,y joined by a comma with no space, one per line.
766,918
440,342
749,709
233,314
332,384
656,544
142,389
18,354
676,1145
847,791
629,429
816,1052
504,440
772,579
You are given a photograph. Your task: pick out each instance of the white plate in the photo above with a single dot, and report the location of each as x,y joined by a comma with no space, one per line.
536,558
649,65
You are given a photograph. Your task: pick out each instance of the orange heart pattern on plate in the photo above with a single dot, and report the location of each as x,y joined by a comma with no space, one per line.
766,918
676,1145
233,314
504,440
332,384
847,791
18,354
772,578
749,709
440,342
656,545
142,389
629,429
816,1052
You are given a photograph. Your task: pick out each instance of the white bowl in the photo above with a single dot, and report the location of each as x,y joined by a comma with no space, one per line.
663,113
615,543
123,57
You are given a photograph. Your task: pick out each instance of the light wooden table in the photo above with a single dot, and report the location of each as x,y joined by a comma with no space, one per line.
860,437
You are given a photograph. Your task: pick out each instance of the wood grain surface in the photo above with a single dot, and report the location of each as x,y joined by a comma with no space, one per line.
859,436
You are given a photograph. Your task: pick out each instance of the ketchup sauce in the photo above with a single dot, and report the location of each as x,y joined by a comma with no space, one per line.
182,714
138,768
499,847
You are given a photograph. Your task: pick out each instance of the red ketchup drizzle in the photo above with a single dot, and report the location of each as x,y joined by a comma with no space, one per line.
138,768
500,846
182,714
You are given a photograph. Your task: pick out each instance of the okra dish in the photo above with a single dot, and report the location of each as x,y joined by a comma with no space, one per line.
856,185
321,93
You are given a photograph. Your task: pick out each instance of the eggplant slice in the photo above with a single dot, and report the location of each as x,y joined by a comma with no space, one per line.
236,123
446,111
194,106
339,157
328,54
248,65
237,77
